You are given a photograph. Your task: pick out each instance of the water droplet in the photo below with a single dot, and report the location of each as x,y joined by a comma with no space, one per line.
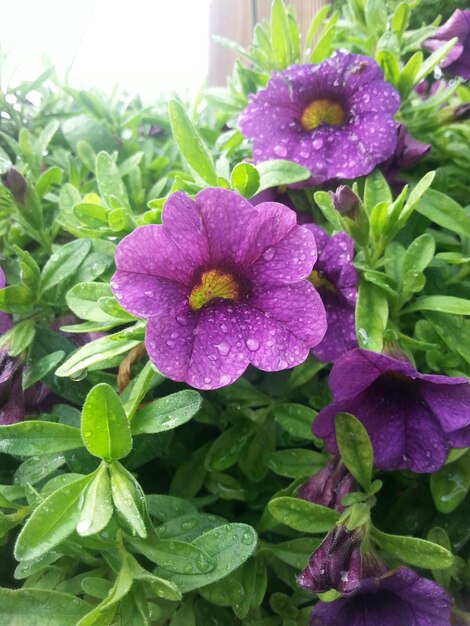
317,144
280,151
83,525
247,538
252,344
223,347
268,254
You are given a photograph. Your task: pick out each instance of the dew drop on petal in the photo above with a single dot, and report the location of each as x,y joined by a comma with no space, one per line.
223,347
252,344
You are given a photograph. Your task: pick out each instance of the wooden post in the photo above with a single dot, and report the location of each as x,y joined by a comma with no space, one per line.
234,20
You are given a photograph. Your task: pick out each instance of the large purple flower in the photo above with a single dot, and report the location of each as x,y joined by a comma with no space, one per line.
412,419
222,284
335,278
398,597
457,61
334,118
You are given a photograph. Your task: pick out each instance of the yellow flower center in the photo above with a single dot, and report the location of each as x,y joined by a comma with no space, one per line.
322,112
213,284
318,280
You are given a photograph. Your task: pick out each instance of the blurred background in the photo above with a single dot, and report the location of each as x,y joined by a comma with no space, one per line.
149,47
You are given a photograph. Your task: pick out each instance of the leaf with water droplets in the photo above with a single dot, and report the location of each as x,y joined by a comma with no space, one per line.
35,438
228,546
40,607
64,263
97,507
167,413
177,556
128,498
414,551
105,427
52,522
307,517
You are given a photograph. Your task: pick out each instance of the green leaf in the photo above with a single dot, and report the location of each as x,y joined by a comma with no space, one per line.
52,176
105,427
97,507
371,316
128,498
245,179
450,485
434,59
39,368
302,515
15,299
96,353
167,413
295,463
376,190
296,419
52,522
280,36
420,253
109,180
355,448
444,211
32,438
228,546
176,556
322,48
278,172
18,338
417,552
416,195
83,298
64,263
325,205
443,304
190,144
40,607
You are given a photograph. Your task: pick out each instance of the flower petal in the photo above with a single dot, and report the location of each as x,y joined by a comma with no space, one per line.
144,295
450,403
340,335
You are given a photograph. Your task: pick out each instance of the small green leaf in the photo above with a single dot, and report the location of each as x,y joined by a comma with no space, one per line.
296,419
280,36
444,211
40,607
52,522
16,299
277,172
105,427
128,498
109,180
376,190
176,556
420,253
302,515
295,463
245,179
83,298
414,551
371,316
355,448
97,507
443,304
228,546
325,205
33,438
450,485
64,263
167,413
18,338
190,144
39,368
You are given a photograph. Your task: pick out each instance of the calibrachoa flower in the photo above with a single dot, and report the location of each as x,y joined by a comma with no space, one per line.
335,564
222,284
396,597
328,486
457,60
334,118
412,419
335,278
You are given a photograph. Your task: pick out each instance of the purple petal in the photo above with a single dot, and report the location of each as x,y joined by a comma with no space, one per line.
203,348
340,335
298,307
289,260
145,295
449,402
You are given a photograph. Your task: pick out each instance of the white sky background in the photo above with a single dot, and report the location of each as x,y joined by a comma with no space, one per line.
150,47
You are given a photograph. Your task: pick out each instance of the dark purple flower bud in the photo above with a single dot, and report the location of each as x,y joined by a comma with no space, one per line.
335,564
396,597
461,112
328,486
409,151
457,61
16,184
345,201
11,392
412,419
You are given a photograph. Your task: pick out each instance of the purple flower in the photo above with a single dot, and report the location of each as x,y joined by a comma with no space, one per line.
334,118
408,151
457,60
397,597
335,278
412,419
335,564
5,320
328,486
222,284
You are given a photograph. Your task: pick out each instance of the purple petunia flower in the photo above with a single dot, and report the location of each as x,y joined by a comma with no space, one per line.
335,278
334,118
11,391
412,419
328,486
457,60
335,564
222,284
396,597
